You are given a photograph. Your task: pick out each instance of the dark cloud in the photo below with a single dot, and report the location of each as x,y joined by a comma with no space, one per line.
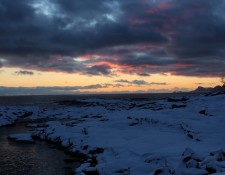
24,72
199,83
122,81
133,82
15,11
33,31
145,59
180,37
99,70
200,41
155,83
144,74
48,90
139,82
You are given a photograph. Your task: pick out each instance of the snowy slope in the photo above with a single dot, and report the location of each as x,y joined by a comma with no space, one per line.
171,136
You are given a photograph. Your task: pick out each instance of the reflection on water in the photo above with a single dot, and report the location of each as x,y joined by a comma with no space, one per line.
30,159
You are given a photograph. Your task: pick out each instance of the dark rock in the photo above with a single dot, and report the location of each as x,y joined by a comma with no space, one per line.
163,171
91,172
210,170
218,90
189,135
201,89
219,155
133,124
69,171
85,131
76,103
189,154
123,171
177,99
157,172
104,120
177,106
192,163
189,132
71,160
85,147
85,116
80,156
93,161
25,115
203,112
96,151
186,159
96,116
157,109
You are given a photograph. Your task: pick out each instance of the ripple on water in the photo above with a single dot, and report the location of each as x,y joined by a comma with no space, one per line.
30,159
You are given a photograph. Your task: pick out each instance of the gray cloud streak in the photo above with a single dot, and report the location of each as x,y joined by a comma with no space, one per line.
48,90
139,82
24,72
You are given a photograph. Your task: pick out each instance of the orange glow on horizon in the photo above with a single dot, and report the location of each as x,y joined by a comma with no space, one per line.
45,79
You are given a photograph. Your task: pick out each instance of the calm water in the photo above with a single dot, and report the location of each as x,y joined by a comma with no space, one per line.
48,99
30,159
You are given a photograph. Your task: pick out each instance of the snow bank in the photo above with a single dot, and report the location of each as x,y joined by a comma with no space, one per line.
171,136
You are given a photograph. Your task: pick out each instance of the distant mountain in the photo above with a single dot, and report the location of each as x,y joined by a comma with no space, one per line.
217,90
201,89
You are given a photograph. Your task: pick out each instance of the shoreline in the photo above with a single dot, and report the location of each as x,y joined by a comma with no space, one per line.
132,135
49,99
27,146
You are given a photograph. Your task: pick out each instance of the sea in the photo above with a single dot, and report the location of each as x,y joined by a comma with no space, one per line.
49,99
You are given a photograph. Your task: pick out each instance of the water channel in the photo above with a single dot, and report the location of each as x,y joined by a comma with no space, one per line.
39,158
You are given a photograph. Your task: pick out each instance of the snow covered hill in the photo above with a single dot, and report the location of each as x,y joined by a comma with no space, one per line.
181,136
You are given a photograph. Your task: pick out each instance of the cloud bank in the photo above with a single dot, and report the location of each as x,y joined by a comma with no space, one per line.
24,72
105,37
55,90
140,82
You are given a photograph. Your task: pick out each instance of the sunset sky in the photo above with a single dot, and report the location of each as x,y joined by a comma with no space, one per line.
108,46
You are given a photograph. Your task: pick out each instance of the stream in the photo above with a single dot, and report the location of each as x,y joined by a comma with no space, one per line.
39,158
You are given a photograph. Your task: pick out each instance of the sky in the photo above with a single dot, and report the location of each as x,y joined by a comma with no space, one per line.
110,46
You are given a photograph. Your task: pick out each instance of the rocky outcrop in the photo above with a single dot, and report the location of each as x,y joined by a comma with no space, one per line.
217,90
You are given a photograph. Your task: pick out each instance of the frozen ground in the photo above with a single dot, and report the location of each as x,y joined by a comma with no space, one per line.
182,136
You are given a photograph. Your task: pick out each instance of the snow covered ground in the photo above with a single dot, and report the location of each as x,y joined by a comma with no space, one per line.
182,136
